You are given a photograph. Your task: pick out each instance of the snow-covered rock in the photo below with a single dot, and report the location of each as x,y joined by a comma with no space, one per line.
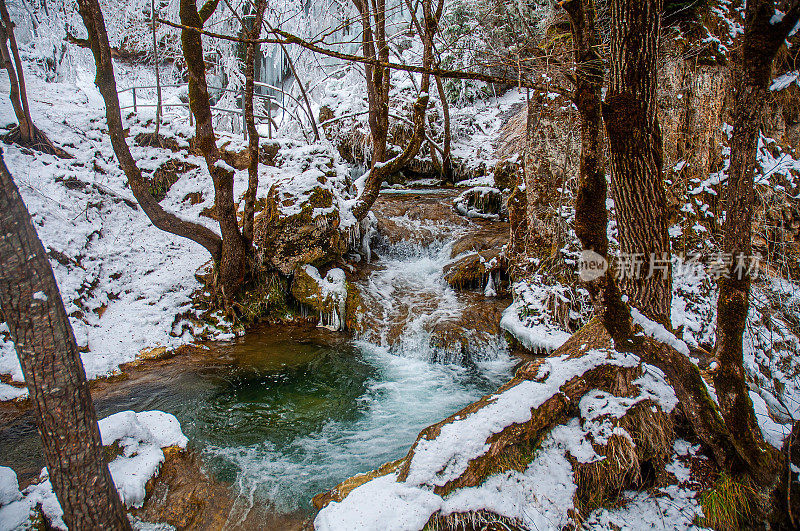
140,436
328,295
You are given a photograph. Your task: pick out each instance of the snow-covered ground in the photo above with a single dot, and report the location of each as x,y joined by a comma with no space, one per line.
126,285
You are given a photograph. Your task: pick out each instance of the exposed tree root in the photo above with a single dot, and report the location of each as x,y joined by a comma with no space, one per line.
40,142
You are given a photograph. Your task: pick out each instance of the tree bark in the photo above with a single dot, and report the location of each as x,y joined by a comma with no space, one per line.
378,84
46,348
252,132
591,214
752,74
447,163
232,264
26,127
93,19
155,66
635,143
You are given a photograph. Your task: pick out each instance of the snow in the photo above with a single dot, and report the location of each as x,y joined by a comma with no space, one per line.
538,498
774,433
123,282
438,461
9,488
653,384
9,392
224,166
659,332
673,508
40,296
16,515
141,437
784,81
382,503
532,337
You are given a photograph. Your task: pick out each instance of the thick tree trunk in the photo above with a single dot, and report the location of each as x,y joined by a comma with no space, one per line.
635,143
591,214
232,266
752,76
252,132
45,344
93,19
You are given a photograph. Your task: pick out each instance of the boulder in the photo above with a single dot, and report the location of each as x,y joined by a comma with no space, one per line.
477,270
299,227
481,202
327,296
507,174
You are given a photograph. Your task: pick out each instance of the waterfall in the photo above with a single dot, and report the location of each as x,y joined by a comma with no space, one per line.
414,313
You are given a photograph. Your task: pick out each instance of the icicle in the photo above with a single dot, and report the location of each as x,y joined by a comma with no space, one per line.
489,291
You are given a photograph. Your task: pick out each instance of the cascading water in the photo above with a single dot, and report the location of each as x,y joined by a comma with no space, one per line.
410,378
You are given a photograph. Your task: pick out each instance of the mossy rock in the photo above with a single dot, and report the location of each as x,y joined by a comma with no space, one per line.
472,270
309,234
354,314
327,296
507,174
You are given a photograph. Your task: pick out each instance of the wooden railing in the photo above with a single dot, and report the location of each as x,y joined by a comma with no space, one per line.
270,102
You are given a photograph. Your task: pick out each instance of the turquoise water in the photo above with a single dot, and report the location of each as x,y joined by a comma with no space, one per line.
284,417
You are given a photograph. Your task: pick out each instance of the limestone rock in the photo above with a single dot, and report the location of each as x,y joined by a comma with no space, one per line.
507,174
476,271
481,202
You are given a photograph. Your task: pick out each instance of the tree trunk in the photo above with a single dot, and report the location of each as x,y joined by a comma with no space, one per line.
447,163
635,143
155,65
378,84
232,266
92,17
252,133
591,214
13,95
752,74
45,344
26,127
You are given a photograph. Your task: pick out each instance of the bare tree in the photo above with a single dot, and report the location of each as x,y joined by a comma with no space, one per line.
167,221
376,50
26,133
765,32
252,132
51,363
228,251
232,265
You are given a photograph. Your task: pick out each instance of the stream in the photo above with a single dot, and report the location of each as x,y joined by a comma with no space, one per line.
283,414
